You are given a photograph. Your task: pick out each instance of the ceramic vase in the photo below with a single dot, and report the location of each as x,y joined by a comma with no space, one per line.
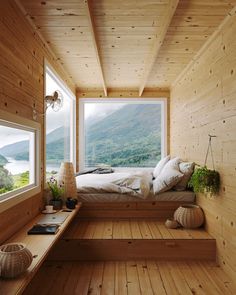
66,177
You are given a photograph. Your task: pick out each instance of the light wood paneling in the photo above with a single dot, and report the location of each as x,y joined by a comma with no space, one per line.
22,55
129,228
202,103
126,33
131,278
125,239
152,209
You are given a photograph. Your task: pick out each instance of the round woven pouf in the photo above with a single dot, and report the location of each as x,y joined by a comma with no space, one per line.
189,216
15,258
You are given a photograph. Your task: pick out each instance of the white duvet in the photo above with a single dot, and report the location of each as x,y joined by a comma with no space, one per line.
134,184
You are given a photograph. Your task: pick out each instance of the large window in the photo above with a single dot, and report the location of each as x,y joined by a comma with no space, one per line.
122,133
59,125
19,148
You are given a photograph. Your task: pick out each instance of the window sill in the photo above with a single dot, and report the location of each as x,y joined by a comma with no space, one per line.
18,198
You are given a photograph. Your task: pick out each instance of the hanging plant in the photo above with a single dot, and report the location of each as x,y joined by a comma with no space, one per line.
205,180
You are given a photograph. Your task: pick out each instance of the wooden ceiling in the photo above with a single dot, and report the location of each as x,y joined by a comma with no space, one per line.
125,44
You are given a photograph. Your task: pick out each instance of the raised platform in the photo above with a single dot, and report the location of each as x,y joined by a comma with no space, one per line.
143,209
128,239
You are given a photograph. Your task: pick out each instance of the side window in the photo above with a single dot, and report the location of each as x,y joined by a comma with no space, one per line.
19,164
60,143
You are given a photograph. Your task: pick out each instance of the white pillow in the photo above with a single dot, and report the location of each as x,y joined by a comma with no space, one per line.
169,177
160,165
187,169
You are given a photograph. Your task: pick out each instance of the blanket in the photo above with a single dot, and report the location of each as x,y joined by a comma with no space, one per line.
96,171
122,183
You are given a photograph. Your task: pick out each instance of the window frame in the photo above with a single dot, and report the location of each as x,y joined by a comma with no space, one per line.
16,196
48,69
81,138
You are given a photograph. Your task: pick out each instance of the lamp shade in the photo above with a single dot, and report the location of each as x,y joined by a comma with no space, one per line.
66,177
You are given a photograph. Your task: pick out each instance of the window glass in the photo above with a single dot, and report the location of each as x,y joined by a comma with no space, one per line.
59,142
122,134
17,158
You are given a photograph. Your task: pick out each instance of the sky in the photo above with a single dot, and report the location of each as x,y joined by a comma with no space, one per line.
10,135
100,110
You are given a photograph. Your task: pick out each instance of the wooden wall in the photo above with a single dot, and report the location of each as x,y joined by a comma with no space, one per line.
203,101
22,55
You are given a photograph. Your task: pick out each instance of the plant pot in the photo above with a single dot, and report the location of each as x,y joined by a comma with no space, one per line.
15,258
57,204
71,203
189,216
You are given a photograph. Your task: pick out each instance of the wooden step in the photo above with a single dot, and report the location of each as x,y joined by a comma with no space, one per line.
116,239
148,209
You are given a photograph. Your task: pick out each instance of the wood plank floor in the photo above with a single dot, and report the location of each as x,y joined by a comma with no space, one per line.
129,229
130,278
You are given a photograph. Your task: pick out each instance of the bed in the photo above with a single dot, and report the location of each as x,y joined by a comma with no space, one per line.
128,186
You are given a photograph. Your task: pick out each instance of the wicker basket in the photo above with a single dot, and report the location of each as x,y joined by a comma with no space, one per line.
189,216
15,258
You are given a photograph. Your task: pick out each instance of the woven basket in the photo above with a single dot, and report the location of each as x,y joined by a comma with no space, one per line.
15,258
189,216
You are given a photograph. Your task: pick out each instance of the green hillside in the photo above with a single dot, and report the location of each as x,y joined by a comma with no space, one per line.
55,147
3,161
130,136
12,149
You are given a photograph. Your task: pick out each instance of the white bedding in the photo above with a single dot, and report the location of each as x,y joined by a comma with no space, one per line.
134,184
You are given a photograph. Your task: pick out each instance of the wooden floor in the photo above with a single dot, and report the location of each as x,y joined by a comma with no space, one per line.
129,229
130,278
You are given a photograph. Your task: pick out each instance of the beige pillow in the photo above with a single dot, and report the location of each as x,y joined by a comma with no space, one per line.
169,177
160,165
187,169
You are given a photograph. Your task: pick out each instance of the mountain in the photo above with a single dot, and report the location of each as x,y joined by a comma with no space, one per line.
55,147
3,161
12,149
129,136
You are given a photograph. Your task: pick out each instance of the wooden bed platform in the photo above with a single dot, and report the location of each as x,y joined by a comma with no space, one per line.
128,239
145,209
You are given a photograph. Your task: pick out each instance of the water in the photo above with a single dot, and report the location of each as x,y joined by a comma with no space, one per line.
16,167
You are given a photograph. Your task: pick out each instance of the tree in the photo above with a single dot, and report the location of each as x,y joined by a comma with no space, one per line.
6,180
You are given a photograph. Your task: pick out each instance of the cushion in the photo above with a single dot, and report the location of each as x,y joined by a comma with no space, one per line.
187,169
169,176
160,165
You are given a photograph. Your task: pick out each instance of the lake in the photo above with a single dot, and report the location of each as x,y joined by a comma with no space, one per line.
16,167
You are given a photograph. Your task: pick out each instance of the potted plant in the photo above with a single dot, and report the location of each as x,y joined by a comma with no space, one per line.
57,191
205,180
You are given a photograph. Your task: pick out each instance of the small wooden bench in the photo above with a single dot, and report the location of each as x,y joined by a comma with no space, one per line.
40,246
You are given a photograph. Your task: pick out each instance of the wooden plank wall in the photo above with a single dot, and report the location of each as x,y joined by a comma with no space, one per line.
22,55
203,102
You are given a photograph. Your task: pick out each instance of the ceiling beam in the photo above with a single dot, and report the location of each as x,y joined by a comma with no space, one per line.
159,39
95,42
